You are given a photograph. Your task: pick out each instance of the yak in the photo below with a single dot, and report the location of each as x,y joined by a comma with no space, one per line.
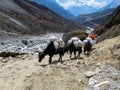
51,51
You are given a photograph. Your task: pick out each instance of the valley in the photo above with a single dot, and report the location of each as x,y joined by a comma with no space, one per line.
26,26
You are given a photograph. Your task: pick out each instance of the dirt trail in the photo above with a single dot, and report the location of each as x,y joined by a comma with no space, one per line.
26,73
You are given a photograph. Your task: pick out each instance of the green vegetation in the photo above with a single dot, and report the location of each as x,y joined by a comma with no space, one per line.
8,54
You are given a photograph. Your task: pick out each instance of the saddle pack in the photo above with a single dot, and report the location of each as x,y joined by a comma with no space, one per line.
89,39
58,42
76,41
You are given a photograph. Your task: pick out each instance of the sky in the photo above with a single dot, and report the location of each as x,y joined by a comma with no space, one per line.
66,4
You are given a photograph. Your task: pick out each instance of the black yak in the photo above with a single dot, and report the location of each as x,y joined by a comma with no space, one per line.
51,51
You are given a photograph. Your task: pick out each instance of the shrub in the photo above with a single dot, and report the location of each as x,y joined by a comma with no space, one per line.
8,54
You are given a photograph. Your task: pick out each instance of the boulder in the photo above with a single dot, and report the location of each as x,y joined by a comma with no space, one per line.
92,73
102,86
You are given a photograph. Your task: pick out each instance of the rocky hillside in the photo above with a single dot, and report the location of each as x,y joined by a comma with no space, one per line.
26,17
94,19
10,42
99,71
110,26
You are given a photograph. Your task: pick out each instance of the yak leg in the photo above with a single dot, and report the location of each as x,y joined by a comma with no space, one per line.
50,59
60,58
88,52
84,51
70,54
39,57
75,54
78,54
60,54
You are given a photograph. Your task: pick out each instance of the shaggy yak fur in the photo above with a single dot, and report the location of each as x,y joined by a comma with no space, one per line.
71,48
51,51
87,48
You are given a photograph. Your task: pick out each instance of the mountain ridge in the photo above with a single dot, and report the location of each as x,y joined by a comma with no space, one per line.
37,20
110,26
55,7
94,19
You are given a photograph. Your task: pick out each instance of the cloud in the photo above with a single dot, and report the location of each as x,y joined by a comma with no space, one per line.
70,3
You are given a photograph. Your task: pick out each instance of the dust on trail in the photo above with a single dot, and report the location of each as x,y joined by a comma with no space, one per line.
26,73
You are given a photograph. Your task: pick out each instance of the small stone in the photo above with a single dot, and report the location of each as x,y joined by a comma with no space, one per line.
90,74
77,65
98,64
79,80
10,57
92,81
58,64
97,70
4,60
29,75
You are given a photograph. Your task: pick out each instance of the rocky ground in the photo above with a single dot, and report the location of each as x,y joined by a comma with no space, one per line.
10,42
99,71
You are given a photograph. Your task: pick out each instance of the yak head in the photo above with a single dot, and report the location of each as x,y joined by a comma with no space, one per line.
41,56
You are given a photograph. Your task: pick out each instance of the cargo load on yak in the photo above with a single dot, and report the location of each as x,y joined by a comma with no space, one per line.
57,41
60,42
92,41
53,38
91,36
76,41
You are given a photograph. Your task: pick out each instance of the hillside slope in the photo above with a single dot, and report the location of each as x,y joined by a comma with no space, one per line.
26,17
110,26
26,73
55,7
94,19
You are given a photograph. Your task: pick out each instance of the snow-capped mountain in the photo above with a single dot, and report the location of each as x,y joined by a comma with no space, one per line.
113,4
